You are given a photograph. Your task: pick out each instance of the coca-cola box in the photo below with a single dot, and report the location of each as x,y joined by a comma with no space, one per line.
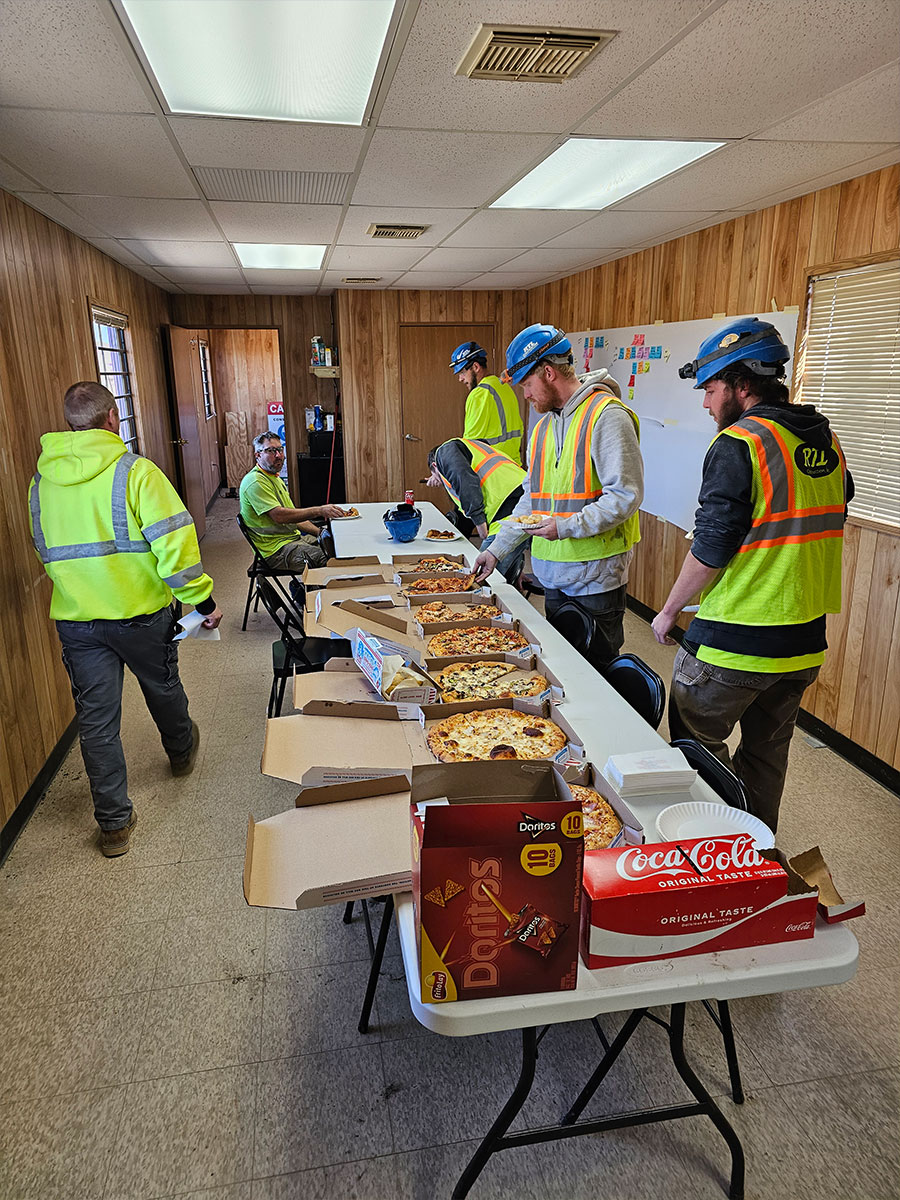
670,899
497,850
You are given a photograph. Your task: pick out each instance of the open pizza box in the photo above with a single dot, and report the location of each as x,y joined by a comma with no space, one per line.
364,569
393,669
533,647
554,693
405,563
383,617
459,608
474,595
586,775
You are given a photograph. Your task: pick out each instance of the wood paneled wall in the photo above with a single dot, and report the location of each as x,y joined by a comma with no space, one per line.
46,344
369,325
297,319
740,267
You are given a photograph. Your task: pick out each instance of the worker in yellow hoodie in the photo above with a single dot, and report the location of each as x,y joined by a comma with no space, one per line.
117,542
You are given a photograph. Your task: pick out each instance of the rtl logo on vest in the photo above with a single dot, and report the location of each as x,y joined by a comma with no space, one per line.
816,461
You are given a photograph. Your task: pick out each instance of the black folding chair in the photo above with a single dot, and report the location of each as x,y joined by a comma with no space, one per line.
639,684
293,650
261,568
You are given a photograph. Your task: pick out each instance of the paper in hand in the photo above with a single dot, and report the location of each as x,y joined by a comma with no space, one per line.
192,626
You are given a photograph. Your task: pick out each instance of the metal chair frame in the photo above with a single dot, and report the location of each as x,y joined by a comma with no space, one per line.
258,569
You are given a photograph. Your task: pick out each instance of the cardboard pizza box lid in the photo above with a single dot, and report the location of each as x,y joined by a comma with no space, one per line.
377,741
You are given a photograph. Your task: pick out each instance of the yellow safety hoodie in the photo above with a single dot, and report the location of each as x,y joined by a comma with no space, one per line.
111,531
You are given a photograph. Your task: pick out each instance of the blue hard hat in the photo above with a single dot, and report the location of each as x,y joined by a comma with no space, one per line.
527,348
465,354
756,344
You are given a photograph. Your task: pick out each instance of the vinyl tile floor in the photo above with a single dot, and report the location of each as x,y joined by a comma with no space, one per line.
159,1038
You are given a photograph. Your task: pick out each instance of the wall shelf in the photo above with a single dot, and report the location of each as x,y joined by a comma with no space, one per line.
326,372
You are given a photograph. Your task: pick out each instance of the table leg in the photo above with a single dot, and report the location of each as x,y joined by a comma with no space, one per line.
375,968
613,1052
348,912
494,1137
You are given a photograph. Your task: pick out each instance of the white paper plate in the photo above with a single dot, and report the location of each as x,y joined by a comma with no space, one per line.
700,818
358,517
456,537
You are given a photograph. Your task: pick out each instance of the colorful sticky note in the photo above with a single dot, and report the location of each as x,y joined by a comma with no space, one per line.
621,352
639,339
631,393
634,340
656,351
631,381
601,342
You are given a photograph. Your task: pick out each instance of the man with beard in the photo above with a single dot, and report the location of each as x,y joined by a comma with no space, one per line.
492,410
766,560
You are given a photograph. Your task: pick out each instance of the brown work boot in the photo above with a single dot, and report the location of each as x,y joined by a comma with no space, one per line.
114,842
183,764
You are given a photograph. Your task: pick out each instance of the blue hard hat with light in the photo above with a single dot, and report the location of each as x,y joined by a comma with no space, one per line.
527,349
748,340
465,354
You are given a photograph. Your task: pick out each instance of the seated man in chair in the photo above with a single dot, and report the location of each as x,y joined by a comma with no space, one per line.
285,536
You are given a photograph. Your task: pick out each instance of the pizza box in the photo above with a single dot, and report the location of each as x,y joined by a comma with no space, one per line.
372,653
346,569
532,649
504,616
405,562
587,775
473,595
571,754
554,693
340,617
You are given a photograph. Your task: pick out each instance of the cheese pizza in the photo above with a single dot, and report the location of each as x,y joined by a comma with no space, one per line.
485,681
493,639
439,564
437,610
601,824
434,585
494,733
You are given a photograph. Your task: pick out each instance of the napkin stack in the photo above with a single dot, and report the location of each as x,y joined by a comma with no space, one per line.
649,772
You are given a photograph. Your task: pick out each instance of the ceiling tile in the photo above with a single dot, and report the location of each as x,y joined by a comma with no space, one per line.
154,277
267,145
54,208
64,54
186,275
129,217
364,260
749,65
864,111
427,94
739,174
215,289
298,224
291,279
437,280
554,262
887,159
442,168
183,254
119,252
94,153
12,180
336,279
514,280
616,229
439,220
517,229
480,259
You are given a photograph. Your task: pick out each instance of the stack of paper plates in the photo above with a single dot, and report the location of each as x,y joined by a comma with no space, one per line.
700,818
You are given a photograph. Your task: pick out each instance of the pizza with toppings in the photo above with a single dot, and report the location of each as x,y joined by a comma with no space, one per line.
437,565
441,535
492,639
601,825
494,733
527,519
437,610
433,585
485,681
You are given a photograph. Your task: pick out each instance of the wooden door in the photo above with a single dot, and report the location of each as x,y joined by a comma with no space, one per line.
432,399
187,420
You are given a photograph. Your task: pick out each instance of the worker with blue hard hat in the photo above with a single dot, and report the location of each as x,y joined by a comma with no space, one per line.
492,409
765,559
582,493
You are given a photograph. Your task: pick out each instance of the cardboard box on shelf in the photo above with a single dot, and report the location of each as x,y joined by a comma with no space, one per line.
497,852
671,899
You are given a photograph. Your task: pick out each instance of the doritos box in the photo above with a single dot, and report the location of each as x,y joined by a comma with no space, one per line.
670,899
497,852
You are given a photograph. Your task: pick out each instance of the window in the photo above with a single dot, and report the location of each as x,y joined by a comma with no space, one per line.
849,368
111,350
209,407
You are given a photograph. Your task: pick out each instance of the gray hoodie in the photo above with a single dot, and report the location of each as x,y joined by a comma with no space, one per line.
620,468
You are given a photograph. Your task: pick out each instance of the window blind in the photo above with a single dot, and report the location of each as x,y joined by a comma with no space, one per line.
849,368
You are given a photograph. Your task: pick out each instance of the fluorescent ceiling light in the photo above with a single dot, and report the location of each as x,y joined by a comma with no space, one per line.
274,257
592,173
276,60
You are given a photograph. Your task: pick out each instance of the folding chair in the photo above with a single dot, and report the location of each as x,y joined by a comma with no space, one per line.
293,650
639,684
260,567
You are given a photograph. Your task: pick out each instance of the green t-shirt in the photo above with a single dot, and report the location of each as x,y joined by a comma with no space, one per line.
260,492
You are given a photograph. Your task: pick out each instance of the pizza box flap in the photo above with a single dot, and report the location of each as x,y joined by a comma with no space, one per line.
372,580
485,782
332,685
340,619
389,619
484,598
406,559
377,594
308,857
813,868
296,743
317,576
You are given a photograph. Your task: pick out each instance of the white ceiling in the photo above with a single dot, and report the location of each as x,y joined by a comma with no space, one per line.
804,93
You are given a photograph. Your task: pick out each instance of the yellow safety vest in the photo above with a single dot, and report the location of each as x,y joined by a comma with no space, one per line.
565,486
493,417
497,474
787,571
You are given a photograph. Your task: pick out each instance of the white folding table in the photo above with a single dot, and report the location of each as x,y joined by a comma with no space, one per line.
607,725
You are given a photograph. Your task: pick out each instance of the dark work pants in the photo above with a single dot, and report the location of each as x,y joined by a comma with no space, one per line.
95,654
608,612
706,702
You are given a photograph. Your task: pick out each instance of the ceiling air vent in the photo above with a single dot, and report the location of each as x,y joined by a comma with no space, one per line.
396,231
530,53
361,279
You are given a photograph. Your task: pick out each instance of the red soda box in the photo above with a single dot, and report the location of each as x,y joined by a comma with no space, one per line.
671,899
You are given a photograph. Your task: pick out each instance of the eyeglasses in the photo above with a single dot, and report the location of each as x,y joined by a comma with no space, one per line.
272,450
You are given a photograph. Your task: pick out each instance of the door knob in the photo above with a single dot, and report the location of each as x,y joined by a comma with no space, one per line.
409,437
180,442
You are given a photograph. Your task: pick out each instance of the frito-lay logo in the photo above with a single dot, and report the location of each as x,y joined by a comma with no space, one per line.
534,827
438,983
816,461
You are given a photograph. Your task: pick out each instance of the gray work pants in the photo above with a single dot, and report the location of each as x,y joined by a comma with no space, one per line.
95,654
706,702
304,551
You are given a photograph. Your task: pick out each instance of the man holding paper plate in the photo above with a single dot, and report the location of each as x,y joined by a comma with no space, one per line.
765,559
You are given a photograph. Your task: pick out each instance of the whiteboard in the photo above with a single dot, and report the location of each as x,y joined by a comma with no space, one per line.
675,428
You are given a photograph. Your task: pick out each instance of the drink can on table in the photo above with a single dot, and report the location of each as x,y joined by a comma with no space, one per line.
409,497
